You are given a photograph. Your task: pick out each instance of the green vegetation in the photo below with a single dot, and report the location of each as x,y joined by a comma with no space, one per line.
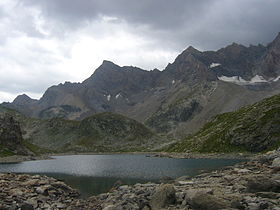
35,149
4,152
252,128
104,132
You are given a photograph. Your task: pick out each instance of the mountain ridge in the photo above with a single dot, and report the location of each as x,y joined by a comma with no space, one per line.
193,77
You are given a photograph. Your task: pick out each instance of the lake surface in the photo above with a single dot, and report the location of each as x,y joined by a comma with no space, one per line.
94,174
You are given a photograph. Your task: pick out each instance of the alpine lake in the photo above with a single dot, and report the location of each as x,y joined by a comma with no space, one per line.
95,174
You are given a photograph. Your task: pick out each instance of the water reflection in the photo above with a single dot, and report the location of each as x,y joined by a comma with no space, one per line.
94,174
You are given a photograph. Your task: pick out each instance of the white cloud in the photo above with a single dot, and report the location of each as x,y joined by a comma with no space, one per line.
31,64
46,42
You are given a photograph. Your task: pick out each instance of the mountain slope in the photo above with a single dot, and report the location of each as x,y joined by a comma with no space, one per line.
176,101
252,128
104,132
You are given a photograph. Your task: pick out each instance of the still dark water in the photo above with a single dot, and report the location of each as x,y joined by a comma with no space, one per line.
94,174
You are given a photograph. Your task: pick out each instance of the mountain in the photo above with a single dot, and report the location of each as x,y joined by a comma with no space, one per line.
253,128
176,101
103,132
11,141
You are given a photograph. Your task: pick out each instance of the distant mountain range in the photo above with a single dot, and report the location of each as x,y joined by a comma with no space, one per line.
176,101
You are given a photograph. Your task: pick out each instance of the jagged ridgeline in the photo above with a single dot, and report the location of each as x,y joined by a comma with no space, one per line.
103,132
175,101
252,128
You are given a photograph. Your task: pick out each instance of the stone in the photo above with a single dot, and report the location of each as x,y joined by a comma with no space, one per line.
271,195
180,196
31,182
207,201
185,182
163,196
276,162
146,208
192,192
113,207
123,187
242,170
26,206
32,201
16,192
262,184
46,206
43,189
60,205
183,178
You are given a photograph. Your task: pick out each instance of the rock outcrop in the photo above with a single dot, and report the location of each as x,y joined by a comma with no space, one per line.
11,142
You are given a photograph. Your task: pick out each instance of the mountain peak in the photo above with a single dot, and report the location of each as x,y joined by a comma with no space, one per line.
108,63
278,36
275,42
22,99
191,49
106,66
235,45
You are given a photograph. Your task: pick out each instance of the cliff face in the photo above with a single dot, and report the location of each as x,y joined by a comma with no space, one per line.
11,142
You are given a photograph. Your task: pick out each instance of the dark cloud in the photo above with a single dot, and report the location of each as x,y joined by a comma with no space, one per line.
157,13
48,40
204,23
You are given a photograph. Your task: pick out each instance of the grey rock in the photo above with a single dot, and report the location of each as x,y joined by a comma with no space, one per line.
262,184
190,194
276,162
163,196
26,206
205,201
113,207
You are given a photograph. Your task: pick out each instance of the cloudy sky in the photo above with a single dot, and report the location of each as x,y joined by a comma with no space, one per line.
46,42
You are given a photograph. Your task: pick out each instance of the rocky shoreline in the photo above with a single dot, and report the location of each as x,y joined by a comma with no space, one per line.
21,158
193,155
249,185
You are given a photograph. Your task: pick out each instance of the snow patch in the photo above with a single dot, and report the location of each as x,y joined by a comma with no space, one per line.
257,78
213,65
276,79
240,81
108,97
173,81
234,79
118,95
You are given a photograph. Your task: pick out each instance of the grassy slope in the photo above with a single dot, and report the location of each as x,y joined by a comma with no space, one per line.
252,128
105,132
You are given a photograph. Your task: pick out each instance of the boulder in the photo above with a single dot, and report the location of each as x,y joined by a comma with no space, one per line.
262,184
26,206
164,195
206,201
276,162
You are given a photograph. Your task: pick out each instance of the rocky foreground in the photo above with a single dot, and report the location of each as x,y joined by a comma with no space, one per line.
251,185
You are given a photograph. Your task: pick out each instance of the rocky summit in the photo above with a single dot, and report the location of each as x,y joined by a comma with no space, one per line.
254,184
176,101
